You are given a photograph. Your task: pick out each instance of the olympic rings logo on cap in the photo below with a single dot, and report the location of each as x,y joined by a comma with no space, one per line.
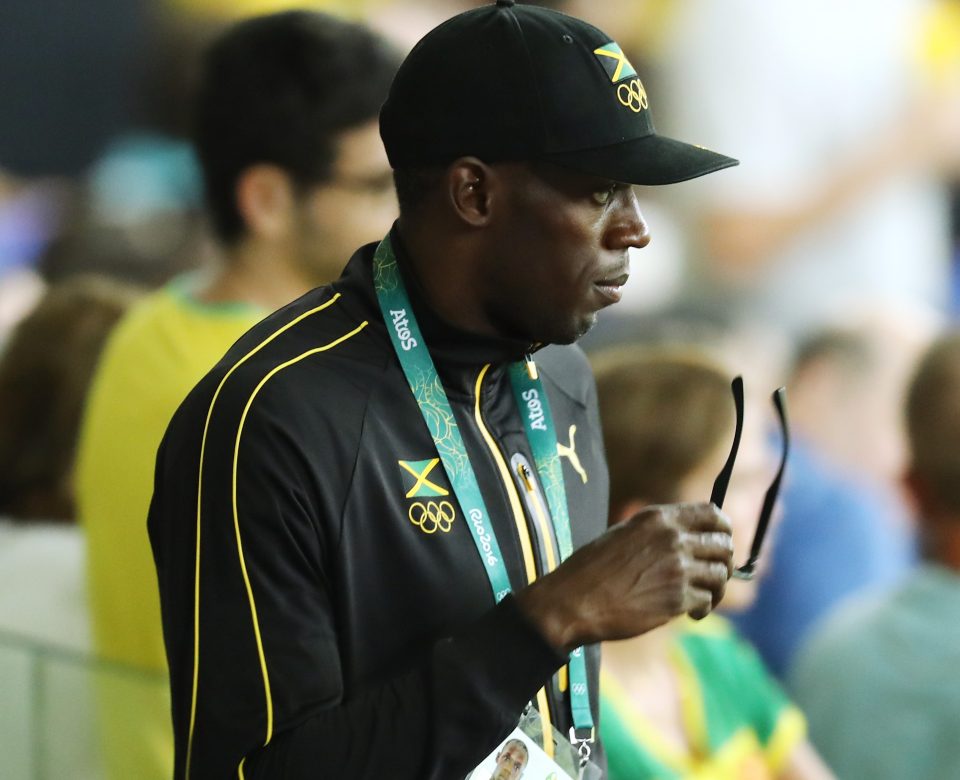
633,96
432,516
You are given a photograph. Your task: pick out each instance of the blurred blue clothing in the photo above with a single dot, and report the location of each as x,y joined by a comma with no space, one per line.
835,538
879,682
29,221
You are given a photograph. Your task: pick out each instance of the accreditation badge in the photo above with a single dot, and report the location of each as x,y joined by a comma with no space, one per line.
521,757
518,757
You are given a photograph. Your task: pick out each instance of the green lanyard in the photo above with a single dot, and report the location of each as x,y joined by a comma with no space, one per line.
538,422
421,374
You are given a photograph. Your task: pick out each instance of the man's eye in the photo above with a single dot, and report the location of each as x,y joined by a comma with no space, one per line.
602,197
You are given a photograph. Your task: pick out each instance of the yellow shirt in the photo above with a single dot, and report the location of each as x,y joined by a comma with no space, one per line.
154,357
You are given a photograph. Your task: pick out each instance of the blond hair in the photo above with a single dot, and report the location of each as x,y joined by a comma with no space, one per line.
664,412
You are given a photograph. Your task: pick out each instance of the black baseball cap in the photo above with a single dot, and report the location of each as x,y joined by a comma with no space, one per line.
519,82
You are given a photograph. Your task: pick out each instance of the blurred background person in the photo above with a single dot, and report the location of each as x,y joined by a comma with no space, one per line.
841,192
844,527
295,178
45,370
879,678
689,699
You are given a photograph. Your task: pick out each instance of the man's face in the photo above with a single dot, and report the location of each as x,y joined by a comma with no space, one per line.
559,253
511,762
357,205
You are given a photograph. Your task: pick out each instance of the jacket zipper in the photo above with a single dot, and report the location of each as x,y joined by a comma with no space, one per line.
523,531
517,509
537,508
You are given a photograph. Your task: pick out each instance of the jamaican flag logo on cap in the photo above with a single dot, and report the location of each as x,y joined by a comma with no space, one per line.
614,62
630,94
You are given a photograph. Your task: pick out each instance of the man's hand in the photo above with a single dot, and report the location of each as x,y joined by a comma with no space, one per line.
663,562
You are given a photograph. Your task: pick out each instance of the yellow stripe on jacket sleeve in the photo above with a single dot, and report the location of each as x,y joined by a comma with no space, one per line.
236,515
196,580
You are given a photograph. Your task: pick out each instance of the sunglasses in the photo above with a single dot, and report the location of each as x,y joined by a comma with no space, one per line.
746,572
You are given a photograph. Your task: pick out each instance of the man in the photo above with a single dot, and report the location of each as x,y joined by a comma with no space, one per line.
879,678
511,761
345,504
295,174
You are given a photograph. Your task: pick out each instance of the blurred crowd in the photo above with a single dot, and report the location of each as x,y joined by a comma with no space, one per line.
139,239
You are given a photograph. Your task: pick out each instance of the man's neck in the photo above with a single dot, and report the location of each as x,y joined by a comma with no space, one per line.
256,274
443,266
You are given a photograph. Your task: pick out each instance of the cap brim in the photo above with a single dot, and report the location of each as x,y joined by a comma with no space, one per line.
653,159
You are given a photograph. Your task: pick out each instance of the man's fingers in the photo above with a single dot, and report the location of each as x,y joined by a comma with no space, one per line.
698,603
711,576
703,517
710,546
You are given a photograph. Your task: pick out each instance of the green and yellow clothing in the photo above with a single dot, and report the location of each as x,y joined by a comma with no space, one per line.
739,724
154,357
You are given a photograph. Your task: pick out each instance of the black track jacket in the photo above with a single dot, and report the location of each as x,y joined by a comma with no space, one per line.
325,611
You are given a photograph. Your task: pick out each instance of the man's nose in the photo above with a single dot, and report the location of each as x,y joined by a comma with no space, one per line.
627,227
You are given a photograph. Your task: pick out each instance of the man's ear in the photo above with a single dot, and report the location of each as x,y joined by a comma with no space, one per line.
266,200
470,188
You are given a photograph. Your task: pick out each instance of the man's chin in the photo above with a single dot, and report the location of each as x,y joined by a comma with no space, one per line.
582,327
568,332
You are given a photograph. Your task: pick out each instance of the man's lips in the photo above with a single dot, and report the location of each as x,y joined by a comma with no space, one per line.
610,287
